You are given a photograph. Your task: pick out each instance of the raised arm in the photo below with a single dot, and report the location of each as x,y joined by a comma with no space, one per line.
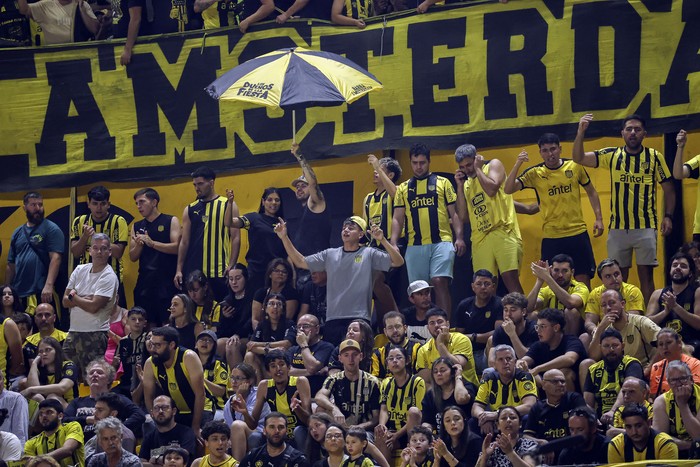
317,203
680,171
492,181
579,155
388,184
297,258
512,183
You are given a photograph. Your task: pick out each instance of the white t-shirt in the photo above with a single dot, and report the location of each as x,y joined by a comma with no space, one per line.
85,282
10,447
57,20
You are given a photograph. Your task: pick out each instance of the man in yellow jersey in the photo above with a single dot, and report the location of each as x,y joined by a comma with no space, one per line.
556,182
633,390
45,320
562,291
379,210
176,372
610,274
640,442
62,441
206,243
634,171
481,201
676,411
100,220
426,204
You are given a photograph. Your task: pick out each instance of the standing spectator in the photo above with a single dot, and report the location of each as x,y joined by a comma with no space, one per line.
264,245
312,299
480,315
310,233
255,11
167,433
109,435
425,204
154,244
17,420
634,169
35,254
379,210
206,243
130,352
350,272
128,26
346,13
100,220
496,242
15,30
62,21
91,295
177,373
687,170
168,17
556,182
62,441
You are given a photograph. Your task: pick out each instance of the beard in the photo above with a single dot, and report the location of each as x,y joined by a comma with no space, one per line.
680,280
50,426
164,422
35,218
162,357
275,443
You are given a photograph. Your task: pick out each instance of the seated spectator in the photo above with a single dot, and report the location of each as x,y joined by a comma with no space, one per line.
167,433
215,375
677,306
24,326
334,444
11,303
45,320
310,356
100,376
10,445
509,447
312,298
17,420
675,410
182,318
593,449
361,332
504,386
548,418
175,456
43,461
275,451
480,315
554,350
346,13
109,405
273,332
315,448
51,376
448,388
603,380
640,442
419,295
207,310
62,441
239,409
669,347
418,452
216,435
355,445
395,330
444,343
456,443
131,351
62,21
279,280
401,403
634,390
353,407
516,330
561,291
638,332
236,311
610,274
109,436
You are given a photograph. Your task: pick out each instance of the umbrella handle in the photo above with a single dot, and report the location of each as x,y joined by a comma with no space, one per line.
294,126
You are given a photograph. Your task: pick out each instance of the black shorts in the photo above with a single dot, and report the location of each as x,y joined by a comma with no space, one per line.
578,247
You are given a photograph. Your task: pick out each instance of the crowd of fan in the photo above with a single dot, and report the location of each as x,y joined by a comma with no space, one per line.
277,363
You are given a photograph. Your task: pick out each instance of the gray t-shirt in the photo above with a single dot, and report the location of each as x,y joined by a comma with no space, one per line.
350,279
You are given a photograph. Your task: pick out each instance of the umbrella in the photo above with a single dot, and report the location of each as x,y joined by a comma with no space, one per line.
295,78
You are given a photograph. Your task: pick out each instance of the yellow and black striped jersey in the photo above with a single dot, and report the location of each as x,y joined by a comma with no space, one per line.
216,372
399,399
210,242
379,210
174,382
605,385
493,393
114,226
379,368
281,402
633,180
659,446
426,200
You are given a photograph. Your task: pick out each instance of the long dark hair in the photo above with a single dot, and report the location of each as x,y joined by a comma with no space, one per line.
367,343
189,309
16,303
437,390
58,361
314,449
460,452
198,277
268,191
272,265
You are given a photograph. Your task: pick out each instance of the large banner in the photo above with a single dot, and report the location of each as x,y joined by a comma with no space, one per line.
488,73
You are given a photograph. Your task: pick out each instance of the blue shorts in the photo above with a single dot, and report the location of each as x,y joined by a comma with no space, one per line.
428,261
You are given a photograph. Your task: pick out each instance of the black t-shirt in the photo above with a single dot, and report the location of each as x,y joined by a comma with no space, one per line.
155,267
164,23
265,333
321,351
131,353
473,318
597,455
121,29
315,297
241,321
432,414
548,422
528,337
541,353
155,442
14,26
259,457
265,245
417,328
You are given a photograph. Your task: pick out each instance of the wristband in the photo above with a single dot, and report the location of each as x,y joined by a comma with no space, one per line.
304,347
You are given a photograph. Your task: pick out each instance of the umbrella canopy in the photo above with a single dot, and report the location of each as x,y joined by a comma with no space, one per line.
295,78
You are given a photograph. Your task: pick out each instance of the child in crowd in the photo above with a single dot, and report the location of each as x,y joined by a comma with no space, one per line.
175,456
418,452
355,444
216,436
130,351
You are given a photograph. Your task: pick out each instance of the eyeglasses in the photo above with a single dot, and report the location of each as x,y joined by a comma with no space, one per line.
275,304
306,326
161,408
680,379
590,416
280,271
542,326
334,436
555,381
